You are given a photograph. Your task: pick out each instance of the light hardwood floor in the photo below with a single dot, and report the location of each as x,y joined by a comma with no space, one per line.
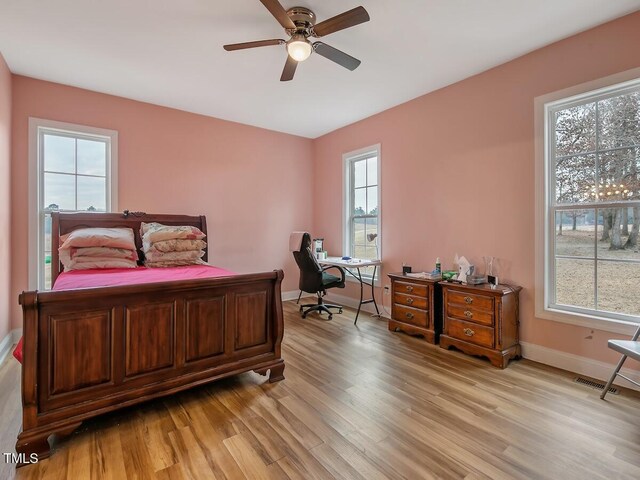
359,403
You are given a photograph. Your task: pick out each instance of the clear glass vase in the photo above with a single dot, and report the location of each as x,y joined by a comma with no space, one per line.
489,266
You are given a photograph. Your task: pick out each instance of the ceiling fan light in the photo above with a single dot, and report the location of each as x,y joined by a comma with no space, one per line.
299,49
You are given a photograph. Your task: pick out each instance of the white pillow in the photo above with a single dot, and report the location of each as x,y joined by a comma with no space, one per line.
73,254
99,237
87,263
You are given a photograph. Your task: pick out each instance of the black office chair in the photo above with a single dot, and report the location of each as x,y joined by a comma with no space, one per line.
314,279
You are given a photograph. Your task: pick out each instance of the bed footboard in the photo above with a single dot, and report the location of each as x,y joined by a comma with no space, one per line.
91,351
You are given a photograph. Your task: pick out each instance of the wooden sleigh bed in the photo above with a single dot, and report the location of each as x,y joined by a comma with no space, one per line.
93,350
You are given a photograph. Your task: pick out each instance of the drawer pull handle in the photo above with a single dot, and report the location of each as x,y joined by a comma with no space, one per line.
468,314
468,332
409,288
468,300
409,315
409,301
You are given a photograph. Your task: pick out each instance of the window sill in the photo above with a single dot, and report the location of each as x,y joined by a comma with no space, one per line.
589,321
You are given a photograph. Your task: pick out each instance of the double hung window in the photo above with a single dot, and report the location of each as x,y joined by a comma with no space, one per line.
362,205
74,169
592,254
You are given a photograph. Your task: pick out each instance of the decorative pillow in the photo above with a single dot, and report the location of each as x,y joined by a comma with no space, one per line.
175,263
99,237
153,256
156,232
174,245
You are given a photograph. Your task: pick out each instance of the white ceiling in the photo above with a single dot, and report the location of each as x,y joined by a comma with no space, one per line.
170,52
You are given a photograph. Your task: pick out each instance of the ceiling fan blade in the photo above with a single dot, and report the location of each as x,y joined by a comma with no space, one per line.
279,13
348,19
289,69
335,55
259,43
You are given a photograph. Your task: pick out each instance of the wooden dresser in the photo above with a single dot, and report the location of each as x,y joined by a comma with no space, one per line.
481,321
416,306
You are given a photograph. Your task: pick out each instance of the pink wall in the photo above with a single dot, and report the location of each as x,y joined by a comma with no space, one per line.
5,196
251,183
458,170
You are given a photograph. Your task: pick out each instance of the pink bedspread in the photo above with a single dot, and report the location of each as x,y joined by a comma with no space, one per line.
129,276
112,277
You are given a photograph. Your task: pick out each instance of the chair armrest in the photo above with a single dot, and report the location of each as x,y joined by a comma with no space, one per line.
324,269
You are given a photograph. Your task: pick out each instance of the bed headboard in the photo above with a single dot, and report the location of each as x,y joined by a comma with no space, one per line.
62,223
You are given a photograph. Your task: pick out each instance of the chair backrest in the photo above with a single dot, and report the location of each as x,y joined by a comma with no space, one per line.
310,269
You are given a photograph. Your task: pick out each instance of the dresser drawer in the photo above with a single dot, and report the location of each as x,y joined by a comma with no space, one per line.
410,288
470,314
410,315
411,301
470,332
471,299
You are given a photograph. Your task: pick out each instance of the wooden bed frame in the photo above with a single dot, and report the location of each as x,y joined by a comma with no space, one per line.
91,351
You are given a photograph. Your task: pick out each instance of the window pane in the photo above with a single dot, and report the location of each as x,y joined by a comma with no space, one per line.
575,233
575,282
372,227
372,200
360,251
59,154
575,179
357,234
372,171
92,157
370,253
619,121
92,194
47,251
618,286
359,201
620,175
359,173
59,191
576,130
616,239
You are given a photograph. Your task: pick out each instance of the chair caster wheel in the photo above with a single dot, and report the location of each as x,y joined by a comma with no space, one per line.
304,315
340,311
330,317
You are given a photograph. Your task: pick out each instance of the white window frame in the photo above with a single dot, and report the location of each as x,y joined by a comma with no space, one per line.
347,201
545,106
36,179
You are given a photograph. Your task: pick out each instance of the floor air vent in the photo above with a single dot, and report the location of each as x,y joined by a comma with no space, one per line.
595,384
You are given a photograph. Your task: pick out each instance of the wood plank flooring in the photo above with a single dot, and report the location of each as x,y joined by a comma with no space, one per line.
357,403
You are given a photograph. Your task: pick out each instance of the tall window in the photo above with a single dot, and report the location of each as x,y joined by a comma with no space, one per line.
362,208
75,168
592,263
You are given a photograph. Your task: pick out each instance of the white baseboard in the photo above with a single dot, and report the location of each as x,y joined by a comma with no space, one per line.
8,342
576,363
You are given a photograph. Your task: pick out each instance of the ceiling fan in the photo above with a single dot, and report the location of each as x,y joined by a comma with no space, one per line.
300,24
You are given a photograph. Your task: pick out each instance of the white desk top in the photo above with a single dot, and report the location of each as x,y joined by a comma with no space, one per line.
353,263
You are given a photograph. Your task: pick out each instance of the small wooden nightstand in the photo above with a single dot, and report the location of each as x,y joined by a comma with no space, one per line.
416,306
481,321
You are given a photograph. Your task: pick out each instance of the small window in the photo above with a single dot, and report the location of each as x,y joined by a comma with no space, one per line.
75,168
592,263
362,205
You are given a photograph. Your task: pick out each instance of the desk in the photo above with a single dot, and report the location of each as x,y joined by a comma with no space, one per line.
357,264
